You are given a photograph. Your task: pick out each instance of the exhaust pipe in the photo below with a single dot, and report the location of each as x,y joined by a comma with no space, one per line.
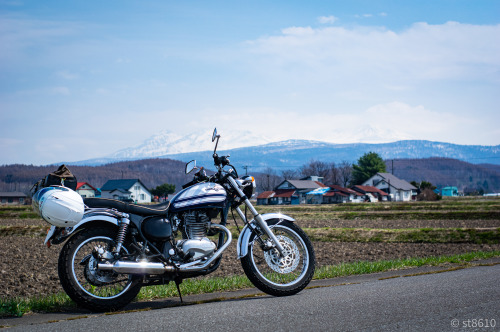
160,268
136,267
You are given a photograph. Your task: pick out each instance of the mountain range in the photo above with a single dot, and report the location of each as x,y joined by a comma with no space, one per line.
257,153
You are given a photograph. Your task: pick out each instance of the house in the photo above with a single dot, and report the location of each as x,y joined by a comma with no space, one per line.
13,198
300,189
263,197
449,191
284,197
399,190
334,197
85,190
371,193
289,192
314,178
131,190
345,195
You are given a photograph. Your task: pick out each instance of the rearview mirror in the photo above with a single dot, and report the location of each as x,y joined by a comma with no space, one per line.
214,136
190,166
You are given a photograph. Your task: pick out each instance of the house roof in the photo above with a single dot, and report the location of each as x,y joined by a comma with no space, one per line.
124,184
284,193
369,189
12,194
265,194
80,184
345,190
396,182
304,184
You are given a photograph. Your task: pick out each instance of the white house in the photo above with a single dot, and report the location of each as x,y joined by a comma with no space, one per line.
85,190
399,190
132,190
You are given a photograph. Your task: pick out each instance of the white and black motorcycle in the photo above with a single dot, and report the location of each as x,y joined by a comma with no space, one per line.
114,248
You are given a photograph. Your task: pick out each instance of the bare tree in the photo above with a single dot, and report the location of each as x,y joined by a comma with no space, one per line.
267,180
345,173
289,174
315,168
334,175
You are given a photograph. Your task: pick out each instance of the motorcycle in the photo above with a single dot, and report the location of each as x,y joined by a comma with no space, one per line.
117,247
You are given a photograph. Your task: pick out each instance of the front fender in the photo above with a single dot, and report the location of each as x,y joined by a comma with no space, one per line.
58,237
246,233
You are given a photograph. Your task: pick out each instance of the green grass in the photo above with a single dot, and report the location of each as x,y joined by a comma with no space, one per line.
470,204
412,235
59,302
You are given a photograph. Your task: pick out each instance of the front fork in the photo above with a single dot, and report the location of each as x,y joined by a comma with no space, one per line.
257,217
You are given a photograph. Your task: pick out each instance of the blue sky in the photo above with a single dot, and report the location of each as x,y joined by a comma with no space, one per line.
82,79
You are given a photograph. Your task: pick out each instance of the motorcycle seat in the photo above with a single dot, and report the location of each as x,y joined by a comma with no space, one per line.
131,208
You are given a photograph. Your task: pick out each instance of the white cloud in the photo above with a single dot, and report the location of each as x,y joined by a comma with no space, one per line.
327,19
421,52
390,121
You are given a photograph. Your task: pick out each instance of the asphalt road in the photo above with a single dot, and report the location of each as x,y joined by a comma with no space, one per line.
457,300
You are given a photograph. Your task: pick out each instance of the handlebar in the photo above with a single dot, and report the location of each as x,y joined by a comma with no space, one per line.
222,160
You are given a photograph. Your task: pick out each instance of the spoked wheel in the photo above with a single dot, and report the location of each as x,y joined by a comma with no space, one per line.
88,286
281,275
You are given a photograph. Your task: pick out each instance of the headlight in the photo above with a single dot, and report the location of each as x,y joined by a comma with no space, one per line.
249,186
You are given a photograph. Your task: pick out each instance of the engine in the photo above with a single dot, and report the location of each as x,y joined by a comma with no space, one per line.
196,245
196,224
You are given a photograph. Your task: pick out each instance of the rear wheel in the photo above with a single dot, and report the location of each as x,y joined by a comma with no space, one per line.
281,275
88,286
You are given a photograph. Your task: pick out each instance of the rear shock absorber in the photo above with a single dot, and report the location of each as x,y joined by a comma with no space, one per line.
122,232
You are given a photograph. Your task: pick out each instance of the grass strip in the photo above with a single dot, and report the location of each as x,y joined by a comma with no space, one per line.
60,301
305,215
356,268
407,235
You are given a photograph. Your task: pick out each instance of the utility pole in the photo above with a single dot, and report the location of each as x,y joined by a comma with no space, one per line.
392,167
246,169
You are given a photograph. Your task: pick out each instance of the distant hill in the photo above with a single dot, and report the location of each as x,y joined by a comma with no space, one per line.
152,172
443,172
294,153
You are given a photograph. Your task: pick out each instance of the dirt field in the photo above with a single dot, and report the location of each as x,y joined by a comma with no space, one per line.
28,268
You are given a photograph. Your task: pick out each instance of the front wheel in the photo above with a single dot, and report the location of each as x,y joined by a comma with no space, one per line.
88,286
280,275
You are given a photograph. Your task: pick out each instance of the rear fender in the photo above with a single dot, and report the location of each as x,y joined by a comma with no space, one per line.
58,235
246,233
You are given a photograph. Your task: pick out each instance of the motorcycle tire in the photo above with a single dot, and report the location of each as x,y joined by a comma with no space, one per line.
89,287
281,276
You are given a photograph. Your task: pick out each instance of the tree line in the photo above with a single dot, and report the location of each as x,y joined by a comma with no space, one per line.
343,174
441,172
438,171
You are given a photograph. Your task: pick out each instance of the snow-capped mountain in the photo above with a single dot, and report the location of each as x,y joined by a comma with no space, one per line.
248,149
166,142
294,153
374,134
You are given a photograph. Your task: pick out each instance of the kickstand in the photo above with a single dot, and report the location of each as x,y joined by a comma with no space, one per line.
177,283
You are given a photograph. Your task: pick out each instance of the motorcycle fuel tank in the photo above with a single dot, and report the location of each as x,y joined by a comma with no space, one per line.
199,196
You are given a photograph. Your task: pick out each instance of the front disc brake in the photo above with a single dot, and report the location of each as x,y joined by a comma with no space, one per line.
290,259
